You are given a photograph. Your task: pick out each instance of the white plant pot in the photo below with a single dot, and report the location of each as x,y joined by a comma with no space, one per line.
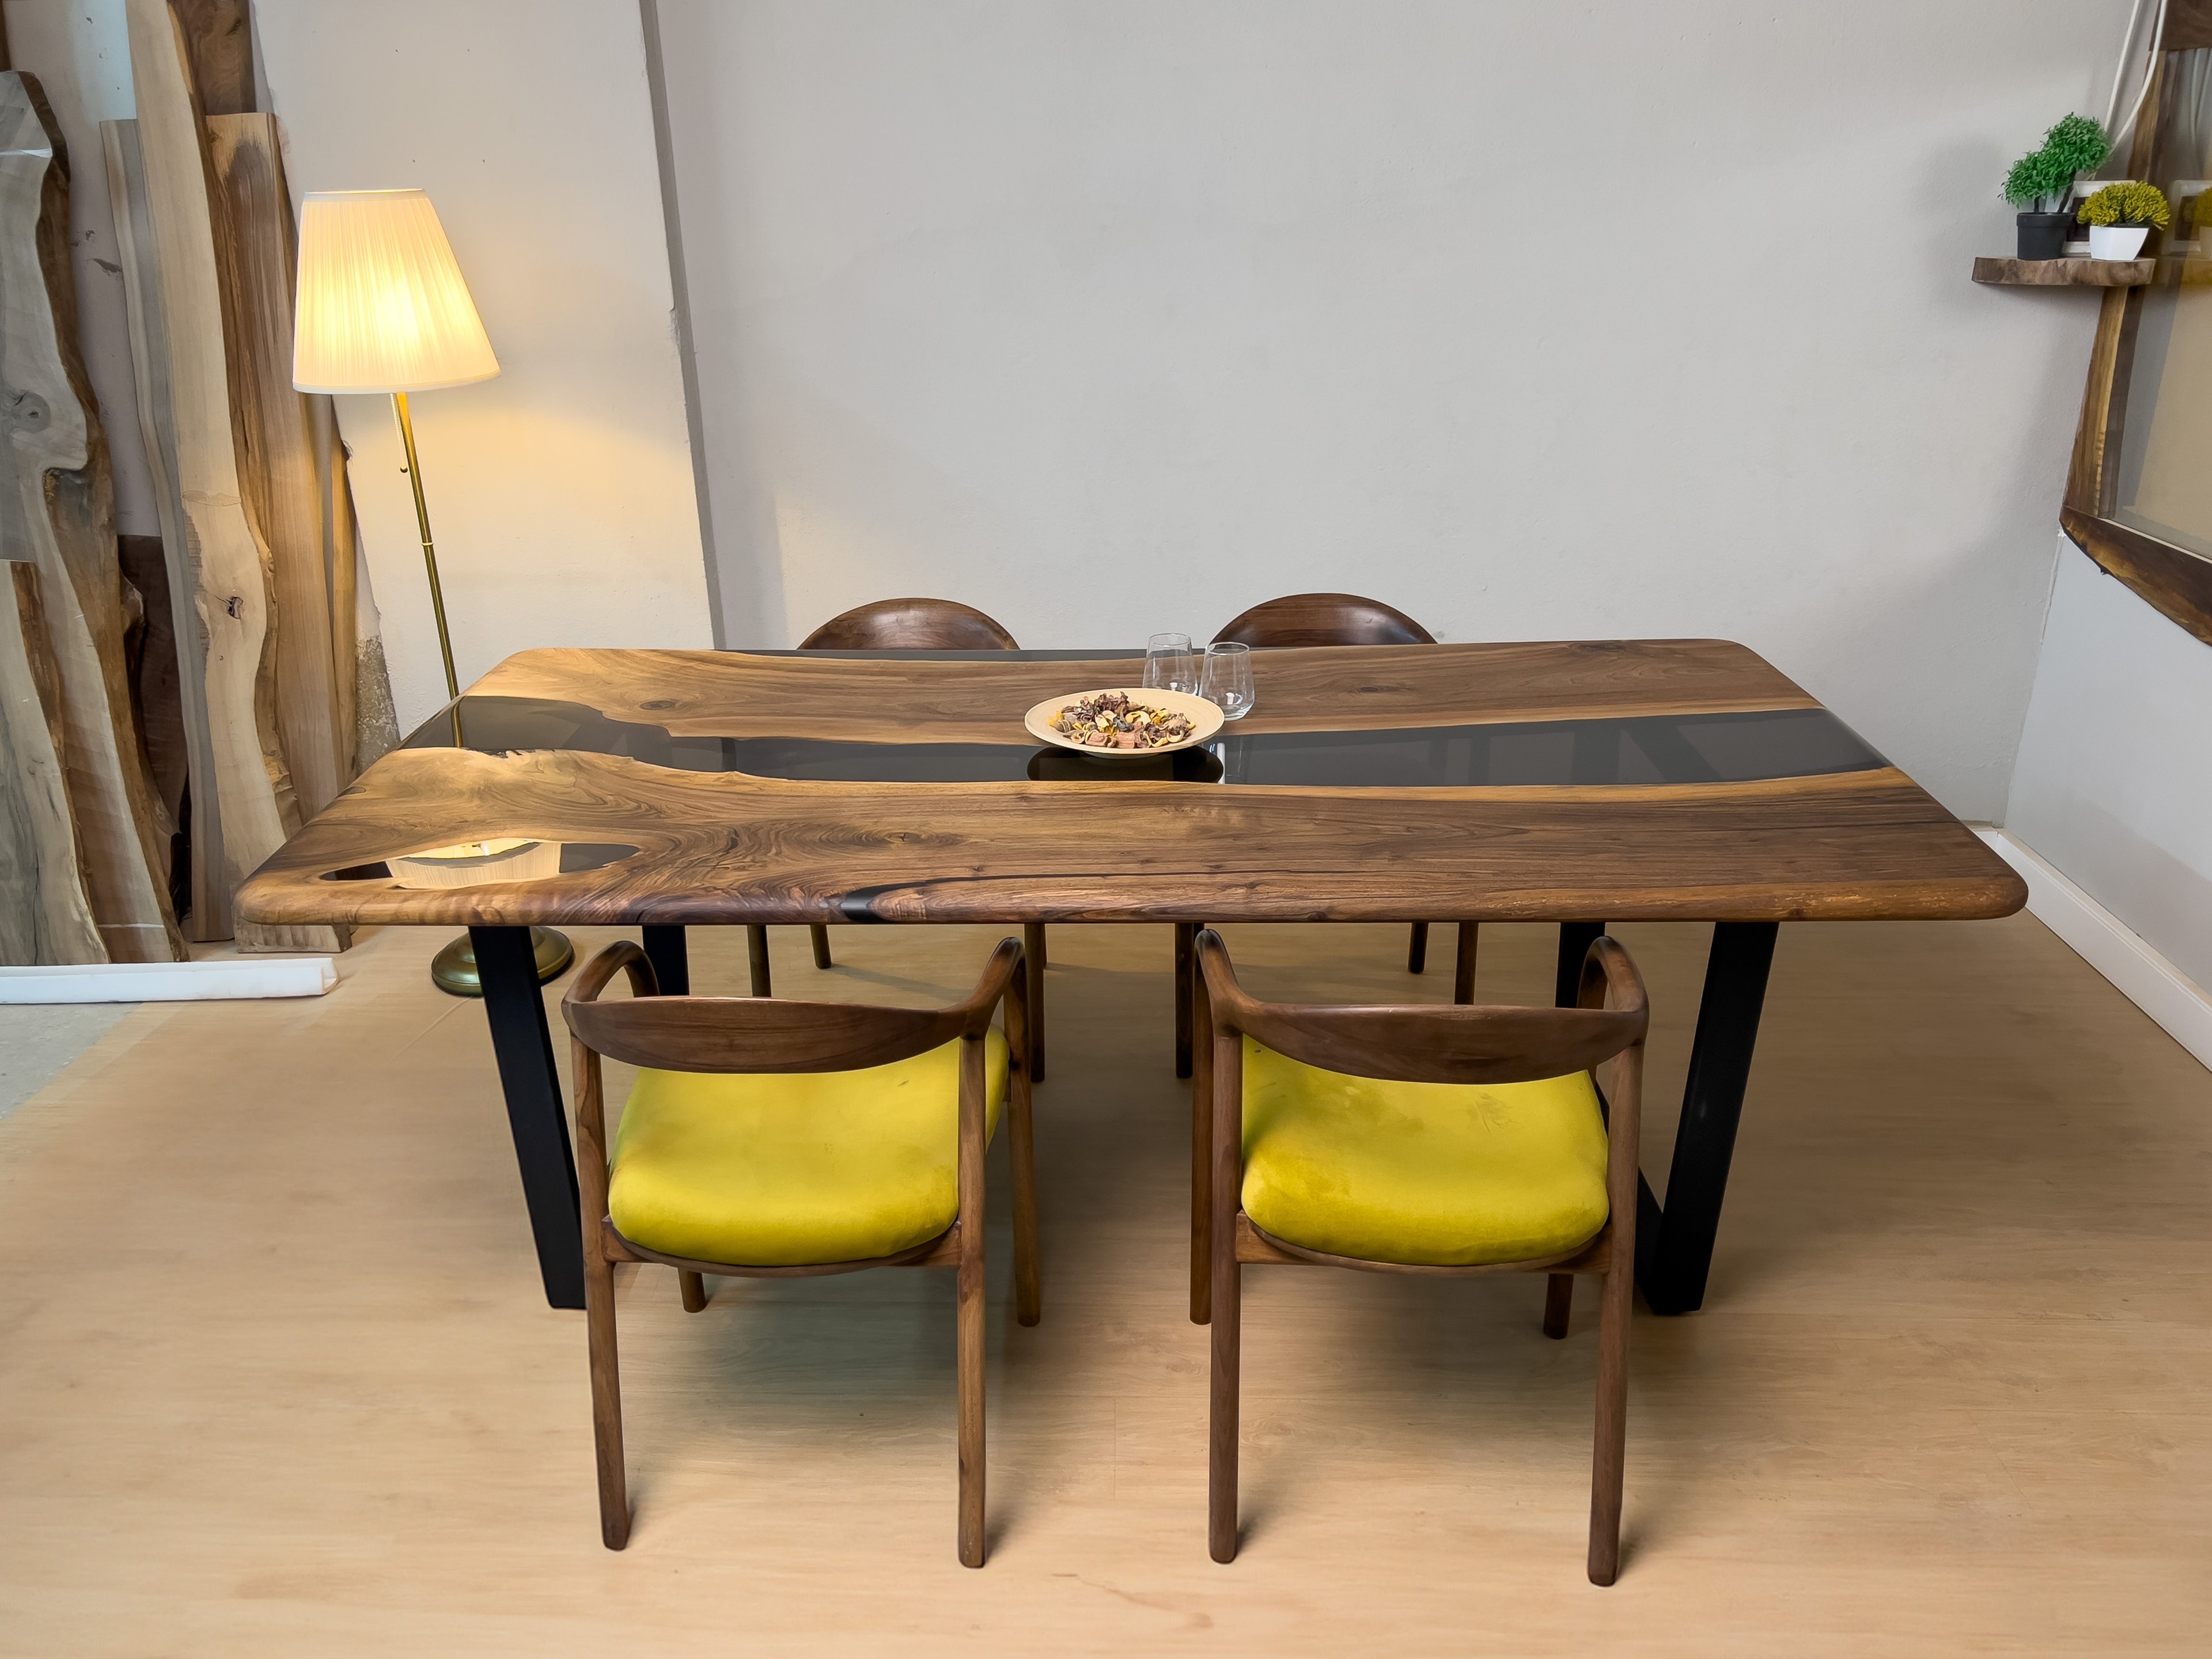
2117,241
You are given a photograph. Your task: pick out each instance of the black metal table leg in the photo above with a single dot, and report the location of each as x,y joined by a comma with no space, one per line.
1675,1245
524,1049
671,962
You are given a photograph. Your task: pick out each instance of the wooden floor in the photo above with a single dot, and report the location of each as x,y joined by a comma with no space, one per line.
276,1378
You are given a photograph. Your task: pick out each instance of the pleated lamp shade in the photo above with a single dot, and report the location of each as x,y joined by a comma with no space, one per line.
382,304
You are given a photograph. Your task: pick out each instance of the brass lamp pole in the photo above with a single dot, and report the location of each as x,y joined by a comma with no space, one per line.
382,306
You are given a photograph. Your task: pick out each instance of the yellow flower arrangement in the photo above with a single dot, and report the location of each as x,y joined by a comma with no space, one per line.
2125,203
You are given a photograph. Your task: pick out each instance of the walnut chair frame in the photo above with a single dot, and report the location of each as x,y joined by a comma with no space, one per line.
737,1034
1320,619
1422,1044
912,624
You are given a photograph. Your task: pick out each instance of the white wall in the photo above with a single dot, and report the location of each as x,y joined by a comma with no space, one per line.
2114,780
1616,318
560,494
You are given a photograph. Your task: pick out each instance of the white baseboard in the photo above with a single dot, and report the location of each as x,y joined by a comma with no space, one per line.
223,979
2137,971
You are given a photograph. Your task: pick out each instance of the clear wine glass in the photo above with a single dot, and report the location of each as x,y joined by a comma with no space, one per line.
1170,663
1228,679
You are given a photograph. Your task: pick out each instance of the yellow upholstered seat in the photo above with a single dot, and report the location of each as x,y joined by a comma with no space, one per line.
1436,1174
786,1169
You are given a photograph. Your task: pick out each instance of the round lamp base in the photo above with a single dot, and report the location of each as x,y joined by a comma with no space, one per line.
455,970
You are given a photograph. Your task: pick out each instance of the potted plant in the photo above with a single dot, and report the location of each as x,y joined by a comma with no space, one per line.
2041,180
2120,216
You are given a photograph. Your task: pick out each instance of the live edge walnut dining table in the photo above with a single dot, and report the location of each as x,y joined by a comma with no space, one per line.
1582,783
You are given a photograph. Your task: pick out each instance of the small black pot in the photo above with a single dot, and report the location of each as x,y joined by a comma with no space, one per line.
2043,235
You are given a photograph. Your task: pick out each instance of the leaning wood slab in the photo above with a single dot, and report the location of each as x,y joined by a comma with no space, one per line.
56,512
251,780
731,847
44,915
209,915
276,437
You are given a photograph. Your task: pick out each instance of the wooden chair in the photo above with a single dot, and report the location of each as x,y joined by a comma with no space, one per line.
1323,1141
1323,619
880,1116
912,625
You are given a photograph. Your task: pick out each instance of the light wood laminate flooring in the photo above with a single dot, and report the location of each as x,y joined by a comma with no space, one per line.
276,1377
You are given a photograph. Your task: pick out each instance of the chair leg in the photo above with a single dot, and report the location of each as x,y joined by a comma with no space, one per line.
1201,1187
1463,963
821,937
1186,937
1221,1459
606,1396
1417,948
756,959
1033,953
1028,1293
694,1287
1558,1302
969,1342
1612,1438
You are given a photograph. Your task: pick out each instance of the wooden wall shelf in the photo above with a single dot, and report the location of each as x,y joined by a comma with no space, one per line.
2064,273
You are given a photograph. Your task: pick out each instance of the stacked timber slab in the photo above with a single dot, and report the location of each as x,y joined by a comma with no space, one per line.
249,475
86,838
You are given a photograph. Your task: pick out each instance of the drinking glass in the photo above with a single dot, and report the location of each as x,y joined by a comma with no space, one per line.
1228,679
1170,663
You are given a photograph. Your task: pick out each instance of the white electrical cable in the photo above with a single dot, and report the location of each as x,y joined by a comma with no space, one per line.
2150,65
2120,68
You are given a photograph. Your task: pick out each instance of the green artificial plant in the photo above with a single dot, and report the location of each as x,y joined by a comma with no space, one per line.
2039,180
2126,204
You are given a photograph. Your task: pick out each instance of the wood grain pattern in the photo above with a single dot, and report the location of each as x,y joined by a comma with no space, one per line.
231,565
1343,688
218,38
278,464
57,512
721,848
45,913
2064,273
208,914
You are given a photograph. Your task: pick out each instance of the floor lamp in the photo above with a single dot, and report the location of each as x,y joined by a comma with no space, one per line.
382,307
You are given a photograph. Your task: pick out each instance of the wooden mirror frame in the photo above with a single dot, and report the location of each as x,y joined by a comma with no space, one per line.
2172,581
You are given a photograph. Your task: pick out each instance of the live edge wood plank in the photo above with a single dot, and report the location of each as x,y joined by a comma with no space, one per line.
231,563
207,915
277,433
60,516
2064,273
45,916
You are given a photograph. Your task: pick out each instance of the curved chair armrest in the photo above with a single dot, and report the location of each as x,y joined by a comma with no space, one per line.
625,954
1000,973
1611,979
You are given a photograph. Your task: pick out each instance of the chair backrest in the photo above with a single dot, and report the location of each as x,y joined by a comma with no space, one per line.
1432,1044
761,1033
911,625
1324,619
